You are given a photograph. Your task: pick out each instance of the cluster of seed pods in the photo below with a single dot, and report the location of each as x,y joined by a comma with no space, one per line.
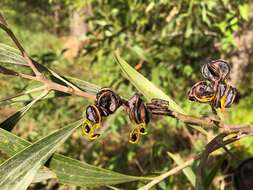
215,91
107,102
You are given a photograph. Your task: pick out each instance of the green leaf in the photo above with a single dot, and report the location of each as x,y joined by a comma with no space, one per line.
187,171
244,11
66,170
11,121
141,53
142,84
11,55
43,174
85,175
18,172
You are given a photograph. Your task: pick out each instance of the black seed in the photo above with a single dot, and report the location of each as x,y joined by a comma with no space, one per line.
87,129
142,130
134,137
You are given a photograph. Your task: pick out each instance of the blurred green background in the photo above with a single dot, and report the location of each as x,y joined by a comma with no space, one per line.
166,40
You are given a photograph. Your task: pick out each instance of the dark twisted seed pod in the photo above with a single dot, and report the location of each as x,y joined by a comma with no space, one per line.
230,96
138,112
225,95
93,118
220,93
216,70
93,114
201,92
107,101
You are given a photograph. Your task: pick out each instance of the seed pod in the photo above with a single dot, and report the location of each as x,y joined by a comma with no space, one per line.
225,96
243,175
138,112
216,70
107,101
201,92
93,114
230,97
221,89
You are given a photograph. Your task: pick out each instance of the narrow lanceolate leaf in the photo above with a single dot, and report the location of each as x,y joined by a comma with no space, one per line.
65,169
18,172
187,171
10,55
43,174
146,87
6,71
11,121
85,175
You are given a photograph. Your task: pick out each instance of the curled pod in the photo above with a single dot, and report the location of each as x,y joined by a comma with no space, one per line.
92,122
93,114
225,96
138,111
108,101
221,89
216,70
201,92
230,96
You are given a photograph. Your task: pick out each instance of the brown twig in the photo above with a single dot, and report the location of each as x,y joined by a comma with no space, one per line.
48,84
4,26
167,174
206,122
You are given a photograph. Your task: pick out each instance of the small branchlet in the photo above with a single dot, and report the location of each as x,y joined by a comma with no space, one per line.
37,69
140,113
